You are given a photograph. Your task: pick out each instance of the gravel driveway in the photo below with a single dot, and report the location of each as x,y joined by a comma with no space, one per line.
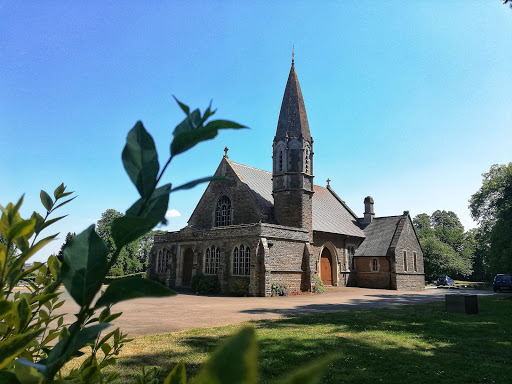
188,311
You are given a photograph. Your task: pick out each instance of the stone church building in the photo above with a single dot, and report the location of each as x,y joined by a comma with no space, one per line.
278,227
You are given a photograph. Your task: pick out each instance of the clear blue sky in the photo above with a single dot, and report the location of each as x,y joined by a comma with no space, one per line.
408,101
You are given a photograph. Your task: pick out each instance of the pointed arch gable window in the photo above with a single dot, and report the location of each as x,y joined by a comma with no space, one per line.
241,260
223,212
212,260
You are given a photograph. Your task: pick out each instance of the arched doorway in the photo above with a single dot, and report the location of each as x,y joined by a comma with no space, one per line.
188,261
326,267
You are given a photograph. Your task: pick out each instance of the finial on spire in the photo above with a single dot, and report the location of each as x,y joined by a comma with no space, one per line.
328,181
226,149
293,54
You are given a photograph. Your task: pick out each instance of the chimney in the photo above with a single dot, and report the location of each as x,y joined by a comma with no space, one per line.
368,209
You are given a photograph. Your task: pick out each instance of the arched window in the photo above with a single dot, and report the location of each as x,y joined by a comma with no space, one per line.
375,265
241,260
212,260
223,212
307,161
405,260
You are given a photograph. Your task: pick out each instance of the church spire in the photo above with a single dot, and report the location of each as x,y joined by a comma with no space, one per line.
293,120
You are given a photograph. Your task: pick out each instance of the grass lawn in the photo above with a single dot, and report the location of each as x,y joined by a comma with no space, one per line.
409,344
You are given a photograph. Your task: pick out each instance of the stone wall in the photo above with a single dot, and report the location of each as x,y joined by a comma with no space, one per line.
366,277
409,274
245,209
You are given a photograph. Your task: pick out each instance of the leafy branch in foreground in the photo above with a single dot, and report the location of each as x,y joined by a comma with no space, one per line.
26,319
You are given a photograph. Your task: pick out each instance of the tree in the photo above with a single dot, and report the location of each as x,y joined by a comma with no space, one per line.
447,249
68,238
491,206
134,256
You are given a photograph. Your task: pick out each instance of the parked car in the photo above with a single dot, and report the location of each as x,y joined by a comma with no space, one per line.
445,281
502,282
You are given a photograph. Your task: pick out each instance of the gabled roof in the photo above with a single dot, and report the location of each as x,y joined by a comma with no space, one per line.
293,120
381,234
330,213
259,183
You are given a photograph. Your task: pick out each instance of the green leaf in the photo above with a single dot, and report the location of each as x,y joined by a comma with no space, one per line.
50,222
12,346
65,202
234,362
84,266
39,222
58,191
140,159
46,200
178,375
126,229
15,272
21,229
192,184
155,207
312,373
131,288
27,374
188,138
184,107
24,313
5,308
7,377
68,346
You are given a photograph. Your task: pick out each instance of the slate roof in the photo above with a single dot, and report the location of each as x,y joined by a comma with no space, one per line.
379,236
293,120
330,213
259,183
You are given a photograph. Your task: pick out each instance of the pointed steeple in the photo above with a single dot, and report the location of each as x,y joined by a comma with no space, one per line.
293,120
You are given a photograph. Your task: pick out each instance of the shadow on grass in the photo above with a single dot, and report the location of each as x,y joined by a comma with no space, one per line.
420,343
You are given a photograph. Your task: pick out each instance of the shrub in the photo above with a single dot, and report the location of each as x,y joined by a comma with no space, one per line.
116,272
206,285
278,290
318,285
240,287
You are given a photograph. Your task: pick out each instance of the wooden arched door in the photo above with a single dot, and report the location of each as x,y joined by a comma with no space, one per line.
326,267
188,261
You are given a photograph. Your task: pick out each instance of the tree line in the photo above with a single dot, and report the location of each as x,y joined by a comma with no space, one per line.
478,253
133,258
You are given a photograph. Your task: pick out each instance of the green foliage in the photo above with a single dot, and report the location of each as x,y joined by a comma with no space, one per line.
491,206
278,290
240,287
27,325
447,249
116,272
318,285
205,284
133,258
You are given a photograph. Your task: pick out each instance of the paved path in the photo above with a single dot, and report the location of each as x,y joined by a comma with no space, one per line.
187,311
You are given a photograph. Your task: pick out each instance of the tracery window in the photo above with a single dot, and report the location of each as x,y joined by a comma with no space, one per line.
351,251
241,260
162,260
223,212
212,259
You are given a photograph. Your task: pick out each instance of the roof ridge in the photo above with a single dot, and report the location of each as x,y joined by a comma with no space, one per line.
248,166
